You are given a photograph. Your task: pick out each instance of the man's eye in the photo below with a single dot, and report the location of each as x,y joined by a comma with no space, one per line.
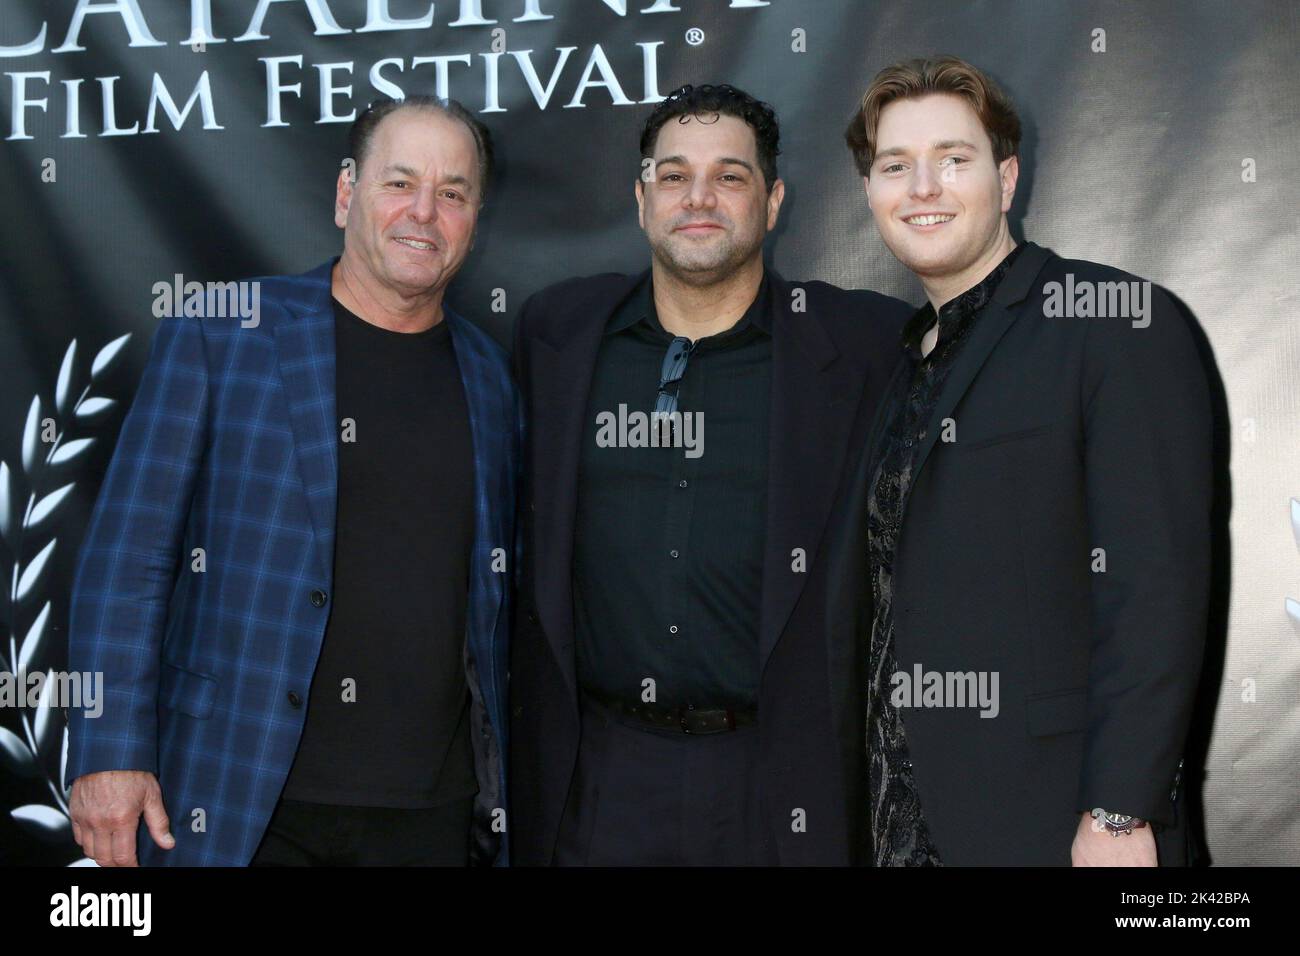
398,182
954,160
892,167
671,176
453,195
732,176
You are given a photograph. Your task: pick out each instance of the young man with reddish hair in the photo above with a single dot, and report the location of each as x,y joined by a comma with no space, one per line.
1033,513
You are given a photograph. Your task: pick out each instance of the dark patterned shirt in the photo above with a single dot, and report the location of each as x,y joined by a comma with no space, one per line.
899,833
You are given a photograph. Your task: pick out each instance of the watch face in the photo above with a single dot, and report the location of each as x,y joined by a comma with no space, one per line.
1119,819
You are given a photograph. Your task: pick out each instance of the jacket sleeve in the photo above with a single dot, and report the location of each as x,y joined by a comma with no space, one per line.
1147,447
129,559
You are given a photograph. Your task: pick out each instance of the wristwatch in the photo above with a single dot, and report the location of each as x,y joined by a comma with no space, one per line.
1117,823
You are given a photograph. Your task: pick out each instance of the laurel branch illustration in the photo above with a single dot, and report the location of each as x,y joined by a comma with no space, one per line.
49,459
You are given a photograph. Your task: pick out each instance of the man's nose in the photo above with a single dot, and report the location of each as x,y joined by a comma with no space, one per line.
926,182
701,194
424,205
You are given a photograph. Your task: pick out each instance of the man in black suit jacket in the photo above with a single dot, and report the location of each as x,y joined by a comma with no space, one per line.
1032,513
679,695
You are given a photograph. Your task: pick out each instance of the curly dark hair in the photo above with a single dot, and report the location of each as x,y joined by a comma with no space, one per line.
723,99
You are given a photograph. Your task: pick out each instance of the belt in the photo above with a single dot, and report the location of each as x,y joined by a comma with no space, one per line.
689,719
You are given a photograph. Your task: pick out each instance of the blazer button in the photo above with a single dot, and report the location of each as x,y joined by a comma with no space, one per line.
294,699
318,598
519,710
532,618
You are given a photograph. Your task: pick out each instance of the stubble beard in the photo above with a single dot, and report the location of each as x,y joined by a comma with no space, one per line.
701,267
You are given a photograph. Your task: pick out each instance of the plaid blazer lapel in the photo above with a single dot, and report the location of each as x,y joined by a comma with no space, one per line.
305,346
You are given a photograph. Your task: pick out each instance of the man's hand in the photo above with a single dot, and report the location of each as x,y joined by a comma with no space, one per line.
1094,845
106,809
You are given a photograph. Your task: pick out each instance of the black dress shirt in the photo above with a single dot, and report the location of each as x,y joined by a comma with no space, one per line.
899,833
668,545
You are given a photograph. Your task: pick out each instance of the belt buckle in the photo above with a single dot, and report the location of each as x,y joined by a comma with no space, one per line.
729,723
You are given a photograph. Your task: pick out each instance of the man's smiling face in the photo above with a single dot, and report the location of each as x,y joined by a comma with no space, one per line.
704,205
409,219
937,194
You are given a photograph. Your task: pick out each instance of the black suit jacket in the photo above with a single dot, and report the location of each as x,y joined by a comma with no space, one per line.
832,354
1072,434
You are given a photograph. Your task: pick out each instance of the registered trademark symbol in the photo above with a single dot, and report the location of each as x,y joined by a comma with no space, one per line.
694,36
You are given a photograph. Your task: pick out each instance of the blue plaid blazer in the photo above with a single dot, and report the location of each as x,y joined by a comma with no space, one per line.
231,446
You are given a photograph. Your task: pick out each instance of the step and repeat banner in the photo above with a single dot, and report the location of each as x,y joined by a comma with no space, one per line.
151,143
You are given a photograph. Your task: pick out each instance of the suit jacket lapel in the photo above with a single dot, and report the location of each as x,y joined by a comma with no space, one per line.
561,387
990,325
813,402
490,465
305,350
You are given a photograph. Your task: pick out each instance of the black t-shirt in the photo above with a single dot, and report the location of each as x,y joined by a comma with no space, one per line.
388,716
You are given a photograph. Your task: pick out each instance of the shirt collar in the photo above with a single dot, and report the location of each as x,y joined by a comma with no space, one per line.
955,309
639,308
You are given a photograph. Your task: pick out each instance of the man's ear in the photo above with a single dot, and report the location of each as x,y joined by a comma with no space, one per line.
640,202
1009,173
774,200
343,195
866,187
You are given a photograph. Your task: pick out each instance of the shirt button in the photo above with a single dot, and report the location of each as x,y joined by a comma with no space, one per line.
318,598
672,554
907,765
672,628
907,443
682,483
294,699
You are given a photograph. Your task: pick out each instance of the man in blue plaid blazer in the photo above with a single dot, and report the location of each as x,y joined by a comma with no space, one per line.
209,571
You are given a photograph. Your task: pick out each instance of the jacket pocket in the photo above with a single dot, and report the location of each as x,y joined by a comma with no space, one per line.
186,691
1004,437
1061,712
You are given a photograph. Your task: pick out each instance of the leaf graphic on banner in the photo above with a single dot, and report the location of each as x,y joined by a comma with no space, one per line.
33,571
94,406
44,822
44,728
32,642
6,520
63,763
32,435
63,390
107,354
71,450
1293,610
47,504
16,755
1295,520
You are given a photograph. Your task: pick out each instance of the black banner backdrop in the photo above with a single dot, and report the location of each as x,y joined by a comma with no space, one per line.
146,139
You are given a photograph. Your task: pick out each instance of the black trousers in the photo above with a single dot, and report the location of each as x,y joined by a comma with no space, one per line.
320,834
648,797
